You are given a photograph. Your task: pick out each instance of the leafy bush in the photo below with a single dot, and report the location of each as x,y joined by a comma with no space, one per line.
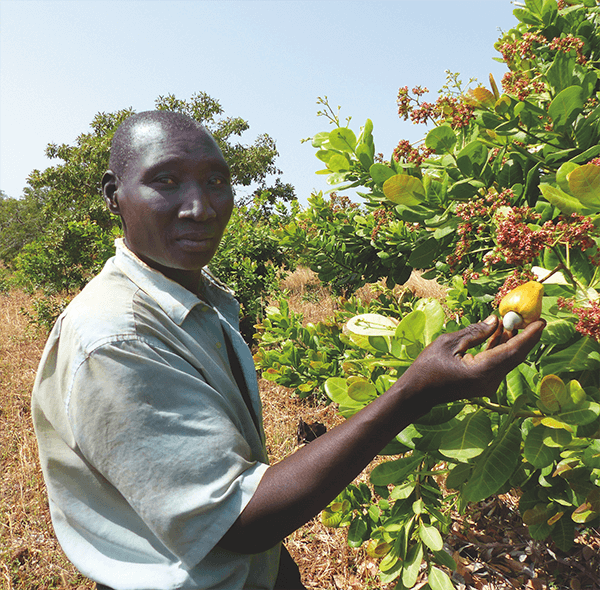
250,259
303,356
45,311
504,189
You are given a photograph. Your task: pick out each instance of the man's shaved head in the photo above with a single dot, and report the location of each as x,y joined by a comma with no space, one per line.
135,129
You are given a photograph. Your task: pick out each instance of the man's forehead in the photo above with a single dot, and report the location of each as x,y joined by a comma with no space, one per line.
152,132
148,132
150,136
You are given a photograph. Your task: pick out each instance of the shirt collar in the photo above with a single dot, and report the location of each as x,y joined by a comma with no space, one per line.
176,301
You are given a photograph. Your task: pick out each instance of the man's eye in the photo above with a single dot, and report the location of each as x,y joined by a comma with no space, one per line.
166,180
217,180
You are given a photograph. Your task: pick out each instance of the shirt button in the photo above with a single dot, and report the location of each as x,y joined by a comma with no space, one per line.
218,345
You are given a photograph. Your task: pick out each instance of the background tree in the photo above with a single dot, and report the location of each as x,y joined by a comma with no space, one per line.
21,221
79,232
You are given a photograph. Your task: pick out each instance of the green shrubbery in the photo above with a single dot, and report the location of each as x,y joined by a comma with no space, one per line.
505,189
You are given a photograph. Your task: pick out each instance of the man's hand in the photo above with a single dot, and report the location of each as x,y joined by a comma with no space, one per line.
445,371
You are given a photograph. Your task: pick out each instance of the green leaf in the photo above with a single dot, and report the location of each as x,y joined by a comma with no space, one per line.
560,74
562,174
576,393
561,200
394,472
563,533
441,139
358,532
325,155
380,173
581,356
472,159
435,317
558,331
495,465
539,514
331,519
439,580
458,475
565,107
535,451
557,438
584,183
431,537
591,455
390,575
469,439
423,256
388,562
411,328
336,389
514,386
403,189
441,413
412,564
403,491
589,510
338,163
362,391
372,324
525,16
363,152
445,559
463,190
342,139
553,393
586,413
549,11
320,138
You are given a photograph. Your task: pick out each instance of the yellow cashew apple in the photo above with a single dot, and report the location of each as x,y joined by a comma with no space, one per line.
522,305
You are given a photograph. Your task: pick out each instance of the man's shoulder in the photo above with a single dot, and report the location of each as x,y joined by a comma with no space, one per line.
103,310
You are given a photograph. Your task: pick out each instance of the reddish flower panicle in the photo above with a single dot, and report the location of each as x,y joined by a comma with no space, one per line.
588,316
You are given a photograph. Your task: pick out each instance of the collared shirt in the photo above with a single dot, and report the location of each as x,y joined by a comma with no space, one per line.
148,448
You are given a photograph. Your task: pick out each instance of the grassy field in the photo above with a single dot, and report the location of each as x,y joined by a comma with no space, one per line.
489,543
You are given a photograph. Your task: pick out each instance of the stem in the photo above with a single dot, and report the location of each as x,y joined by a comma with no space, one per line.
503,409
560,266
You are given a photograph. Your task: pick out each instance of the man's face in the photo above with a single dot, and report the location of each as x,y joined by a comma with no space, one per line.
175,200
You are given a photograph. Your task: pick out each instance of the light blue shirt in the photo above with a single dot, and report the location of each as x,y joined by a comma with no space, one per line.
148,449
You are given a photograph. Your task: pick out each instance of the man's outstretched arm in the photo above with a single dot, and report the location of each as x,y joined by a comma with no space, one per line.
296,489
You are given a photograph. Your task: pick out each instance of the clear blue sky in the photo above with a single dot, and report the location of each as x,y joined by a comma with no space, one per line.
61,62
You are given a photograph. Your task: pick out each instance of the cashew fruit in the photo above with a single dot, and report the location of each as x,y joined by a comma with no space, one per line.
522,305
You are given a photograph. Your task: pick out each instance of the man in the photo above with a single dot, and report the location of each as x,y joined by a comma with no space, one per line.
146,404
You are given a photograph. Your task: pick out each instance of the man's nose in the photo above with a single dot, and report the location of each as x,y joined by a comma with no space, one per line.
195,203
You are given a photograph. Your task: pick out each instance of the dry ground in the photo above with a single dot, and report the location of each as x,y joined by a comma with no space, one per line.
491,545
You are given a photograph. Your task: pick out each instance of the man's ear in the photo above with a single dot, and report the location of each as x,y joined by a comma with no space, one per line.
110,183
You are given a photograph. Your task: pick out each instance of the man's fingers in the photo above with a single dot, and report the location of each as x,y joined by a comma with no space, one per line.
515,350
475,334
497,337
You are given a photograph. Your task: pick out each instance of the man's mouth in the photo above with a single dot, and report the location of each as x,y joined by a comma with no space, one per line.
195,241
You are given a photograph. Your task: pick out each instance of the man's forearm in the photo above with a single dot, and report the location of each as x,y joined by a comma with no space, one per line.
297,488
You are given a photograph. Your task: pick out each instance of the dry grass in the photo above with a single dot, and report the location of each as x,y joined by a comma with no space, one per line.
30,557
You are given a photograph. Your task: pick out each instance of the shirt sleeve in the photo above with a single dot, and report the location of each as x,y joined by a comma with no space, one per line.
171,444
